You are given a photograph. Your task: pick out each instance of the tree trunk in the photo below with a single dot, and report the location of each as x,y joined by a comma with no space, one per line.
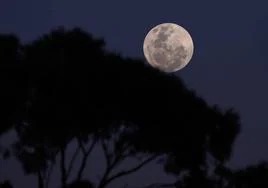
40,180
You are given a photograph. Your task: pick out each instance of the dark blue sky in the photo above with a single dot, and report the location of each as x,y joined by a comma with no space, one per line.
229,66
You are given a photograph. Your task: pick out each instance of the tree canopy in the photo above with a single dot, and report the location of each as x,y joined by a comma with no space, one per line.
65,87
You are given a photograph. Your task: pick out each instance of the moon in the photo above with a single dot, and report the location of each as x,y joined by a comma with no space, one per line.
168,47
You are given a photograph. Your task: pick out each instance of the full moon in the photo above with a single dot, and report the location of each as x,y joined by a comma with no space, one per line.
168,47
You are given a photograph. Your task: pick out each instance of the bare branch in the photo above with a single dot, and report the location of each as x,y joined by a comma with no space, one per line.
134,169
84,160
72,161
40,179
62,167
127,172
81,146
106,153
109,168
49,172
50,169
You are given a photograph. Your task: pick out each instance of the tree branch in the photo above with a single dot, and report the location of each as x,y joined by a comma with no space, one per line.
62,167
49,172
106,181
81,146
110,166
106,153
72,161
40,180
84,160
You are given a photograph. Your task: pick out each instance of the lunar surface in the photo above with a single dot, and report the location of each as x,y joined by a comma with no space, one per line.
168,47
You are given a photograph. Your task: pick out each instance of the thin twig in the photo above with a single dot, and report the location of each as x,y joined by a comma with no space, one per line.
131,170
72,161
127,172
49,172
62,167
81,146
106,153
84,160
110,166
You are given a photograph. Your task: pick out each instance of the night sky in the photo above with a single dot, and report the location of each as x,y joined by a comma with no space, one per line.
229,66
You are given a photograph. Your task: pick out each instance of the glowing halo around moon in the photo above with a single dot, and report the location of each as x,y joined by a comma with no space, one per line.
168,47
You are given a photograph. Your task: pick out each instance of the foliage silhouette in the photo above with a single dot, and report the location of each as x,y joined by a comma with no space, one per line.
11,81
249,177
6,184
73,90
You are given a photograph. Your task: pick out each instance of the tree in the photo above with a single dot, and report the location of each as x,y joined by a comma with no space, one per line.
12,86
249,177
11,81
76,91
6,184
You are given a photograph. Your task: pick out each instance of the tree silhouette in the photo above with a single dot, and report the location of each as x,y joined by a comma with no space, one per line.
249,177
78,92
11,81
6,184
